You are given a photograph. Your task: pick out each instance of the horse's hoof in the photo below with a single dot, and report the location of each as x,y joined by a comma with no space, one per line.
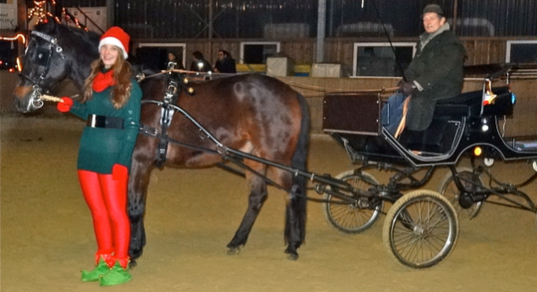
292,256
132,264
233,250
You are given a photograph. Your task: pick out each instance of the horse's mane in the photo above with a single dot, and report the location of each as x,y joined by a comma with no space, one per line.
81,43
74,39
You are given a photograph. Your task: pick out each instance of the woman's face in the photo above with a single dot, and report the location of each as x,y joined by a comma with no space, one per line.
109,55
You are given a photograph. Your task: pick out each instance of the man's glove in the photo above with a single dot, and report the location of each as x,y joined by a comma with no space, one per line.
407,87
65,105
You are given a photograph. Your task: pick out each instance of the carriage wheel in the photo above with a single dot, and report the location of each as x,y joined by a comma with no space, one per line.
449,189
350,218
420,229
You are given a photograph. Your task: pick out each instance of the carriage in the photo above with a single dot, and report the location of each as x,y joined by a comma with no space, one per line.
265,132
421,228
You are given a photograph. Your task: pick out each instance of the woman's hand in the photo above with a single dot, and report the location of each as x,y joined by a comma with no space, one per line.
65,104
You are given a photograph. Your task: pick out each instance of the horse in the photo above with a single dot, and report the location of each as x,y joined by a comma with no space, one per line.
252,113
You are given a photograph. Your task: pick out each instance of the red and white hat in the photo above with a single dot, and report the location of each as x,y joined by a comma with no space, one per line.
117,37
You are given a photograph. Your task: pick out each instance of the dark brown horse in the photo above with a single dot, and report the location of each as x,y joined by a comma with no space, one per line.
253,113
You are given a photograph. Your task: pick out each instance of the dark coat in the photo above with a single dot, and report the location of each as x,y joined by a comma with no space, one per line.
205,68
226,65
439,70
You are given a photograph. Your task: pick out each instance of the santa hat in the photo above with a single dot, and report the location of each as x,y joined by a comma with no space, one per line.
117,37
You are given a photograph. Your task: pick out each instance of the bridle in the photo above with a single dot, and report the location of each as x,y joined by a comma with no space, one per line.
44,57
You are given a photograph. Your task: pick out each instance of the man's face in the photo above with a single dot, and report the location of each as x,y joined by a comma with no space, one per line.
432,22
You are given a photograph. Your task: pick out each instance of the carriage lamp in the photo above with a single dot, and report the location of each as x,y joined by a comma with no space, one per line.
478,151
200,65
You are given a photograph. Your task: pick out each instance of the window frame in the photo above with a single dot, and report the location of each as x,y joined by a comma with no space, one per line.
357,45
242,44
166,45
508,47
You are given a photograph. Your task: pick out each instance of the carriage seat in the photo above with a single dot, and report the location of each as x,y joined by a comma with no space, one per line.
468,104
464,105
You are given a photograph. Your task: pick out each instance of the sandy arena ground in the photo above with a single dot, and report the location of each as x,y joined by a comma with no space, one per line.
47,234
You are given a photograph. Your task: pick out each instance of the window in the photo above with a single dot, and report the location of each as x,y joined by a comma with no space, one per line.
521,52
378,59
155,55
257,52
8,55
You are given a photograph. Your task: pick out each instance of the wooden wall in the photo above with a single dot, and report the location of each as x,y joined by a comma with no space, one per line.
337,50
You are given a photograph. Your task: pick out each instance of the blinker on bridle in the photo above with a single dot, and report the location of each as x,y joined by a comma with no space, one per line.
44,56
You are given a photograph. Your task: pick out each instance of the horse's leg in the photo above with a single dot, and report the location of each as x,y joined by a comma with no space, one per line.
258,196
296,209
295,214
138,182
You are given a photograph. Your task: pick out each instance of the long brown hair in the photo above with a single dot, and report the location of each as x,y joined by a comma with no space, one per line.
122,75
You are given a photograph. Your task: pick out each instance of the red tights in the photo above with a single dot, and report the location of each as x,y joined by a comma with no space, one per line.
107,200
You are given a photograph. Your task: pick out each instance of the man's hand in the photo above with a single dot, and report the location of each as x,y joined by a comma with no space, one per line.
407,87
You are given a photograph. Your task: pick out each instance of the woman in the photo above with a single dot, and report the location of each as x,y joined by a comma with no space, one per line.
111,106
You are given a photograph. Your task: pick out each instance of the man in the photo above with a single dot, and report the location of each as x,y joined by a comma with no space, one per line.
199,64
225,63
435,73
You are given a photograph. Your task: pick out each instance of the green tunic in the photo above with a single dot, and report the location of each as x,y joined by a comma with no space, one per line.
101,148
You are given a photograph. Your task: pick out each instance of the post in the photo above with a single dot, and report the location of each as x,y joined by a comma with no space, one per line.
109,13
321,28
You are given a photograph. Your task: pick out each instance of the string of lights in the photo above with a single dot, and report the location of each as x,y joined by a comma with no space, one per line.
42,12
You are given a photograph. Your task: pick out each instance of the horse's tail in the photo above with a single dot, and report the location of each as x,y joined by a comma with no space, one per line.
299,161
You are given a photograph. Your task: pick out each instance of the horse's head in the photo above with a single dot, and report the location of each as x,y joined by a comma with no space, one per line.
53,53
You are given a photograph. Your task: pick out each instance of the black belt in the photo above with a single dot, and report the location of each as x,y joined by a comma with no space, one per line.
96,121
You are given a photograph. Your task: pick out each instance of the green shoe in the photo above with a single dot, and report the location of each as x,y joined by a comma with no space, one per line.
92,276
115,276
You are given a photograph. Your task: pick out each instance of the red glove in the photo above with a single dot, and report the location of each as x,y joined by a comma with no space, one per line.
119,172
65,105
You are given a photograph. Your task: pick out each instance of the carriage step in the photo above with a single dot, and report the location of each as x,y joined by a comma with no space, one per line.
526,145
425,153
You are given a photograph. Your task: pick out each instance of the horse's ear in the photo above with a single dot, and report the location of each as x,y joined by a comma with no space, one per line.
47,25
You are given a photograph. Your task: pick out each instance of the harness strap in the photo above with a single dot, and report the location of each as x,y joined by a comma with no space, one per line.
167,112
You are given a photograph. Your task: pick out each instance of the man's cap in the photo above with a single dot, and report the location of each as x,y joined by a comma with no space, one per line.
433,8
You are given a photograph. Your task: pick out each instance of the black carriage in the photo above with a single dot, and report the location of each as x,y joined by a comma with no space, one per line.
421,228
